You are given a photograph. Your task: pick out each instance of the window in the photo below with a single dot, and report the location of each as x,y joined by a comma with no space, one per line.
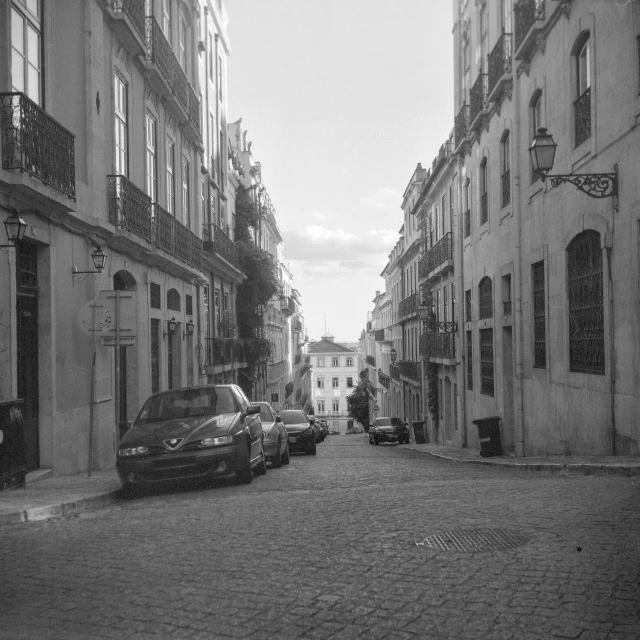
220,78
216,308
349,362
121,133
166,19
173,300
26,44
334,362
188,305
536,123
437,305
582,104
586,310
638,60
539,316
321,362
506,295
171,185
155,355
505,164
320,383
484,205
445,303
349,382
470,360
154,295
226,301
506,15
221,157
482,20
453,302
186,212
203,200
486,362
467,305
335,405
152,179
467,204
485,295
183,45
205,309
320,406
210,57
436,216
443,212
335,383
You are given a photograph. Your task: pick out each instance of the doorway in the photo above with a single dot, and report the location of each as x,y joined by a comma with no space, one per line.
448,435
27,347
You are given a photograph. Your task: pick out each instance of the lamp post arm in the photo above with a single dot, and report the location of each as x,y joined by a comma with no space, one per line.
595,185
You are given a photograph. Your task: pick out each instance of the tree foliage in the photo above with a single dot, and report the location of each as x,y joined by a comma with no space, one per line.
358,400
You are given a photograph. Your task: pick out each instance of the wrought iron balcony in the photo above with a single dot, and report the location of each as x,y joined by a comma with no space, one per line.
461,126
438,345
478,99
276,371
220,351
379,335
370,360
440,255
410,369
287,305
128,23
194,109
34,142
174,238
444,152
129,207
159,51
499,67
180,85
582,114
296,325
408,307
529,16
218,242
288,389
394,370
384,379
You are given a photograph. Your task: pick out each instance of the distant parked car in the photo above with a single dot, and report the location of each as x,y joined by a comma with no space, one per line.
388,430
302,435
276,440
317,428
325,427
193,433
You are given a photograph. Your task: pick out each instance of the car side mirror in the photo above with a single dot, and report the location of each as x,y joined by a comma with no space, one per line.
253,409
278,419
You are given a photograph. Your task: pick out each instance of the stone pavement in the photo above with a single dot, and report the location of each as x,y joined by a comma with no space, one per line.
54,497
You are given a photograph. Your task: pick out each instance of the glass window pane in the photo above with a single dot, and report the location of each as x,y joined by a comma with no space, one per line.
34,7
17,31
17,71
33,47
33,80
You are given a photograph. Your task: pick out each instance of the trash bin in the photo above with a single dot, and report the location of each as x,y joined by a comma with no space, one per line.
13,464
489,434
418,432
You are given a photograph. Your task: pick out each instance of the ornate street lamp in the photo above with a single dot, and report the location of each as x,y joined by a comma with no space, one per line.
190,327
99,257
394,355
172,325
595,185
15,227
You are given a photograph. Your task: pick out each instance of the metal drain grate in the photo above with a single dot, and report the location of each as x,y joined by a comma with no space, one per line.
474,540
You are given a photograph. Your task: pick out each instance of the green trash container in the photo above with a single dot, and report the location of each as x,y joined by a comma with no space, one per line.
489,434
418,432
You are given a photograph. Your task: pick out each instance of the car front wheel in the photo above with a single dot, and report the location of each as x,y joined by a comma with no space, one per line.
375,440
277,460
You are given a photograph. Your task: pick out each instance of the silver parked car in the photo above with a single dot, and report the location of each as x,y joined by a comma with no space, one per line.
276,440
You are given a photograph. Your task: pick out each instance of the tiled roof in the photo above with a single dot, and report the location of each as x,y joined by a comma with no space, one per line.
326,346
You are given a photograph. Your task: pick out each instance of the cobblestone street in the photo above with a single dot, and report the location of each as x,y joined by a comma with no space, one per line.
326,548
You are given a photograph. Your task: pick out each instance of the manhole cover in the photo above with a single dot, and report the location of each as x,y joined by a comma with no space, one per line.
474,540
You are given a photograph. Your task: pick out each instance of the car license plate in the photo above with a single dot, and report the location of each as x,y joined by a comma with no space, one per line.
292,438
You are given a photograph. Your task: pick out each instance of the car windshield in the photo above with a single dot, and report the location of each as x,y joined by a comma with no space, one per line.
293,417
383,422
265,414
187,403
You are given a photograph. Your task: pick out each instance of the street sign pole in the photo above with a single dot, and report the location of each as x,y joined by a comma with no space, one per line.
117,385
93,389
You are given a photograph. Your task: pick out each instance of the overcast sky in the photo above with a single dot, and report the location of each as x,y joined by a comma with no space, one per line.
341,99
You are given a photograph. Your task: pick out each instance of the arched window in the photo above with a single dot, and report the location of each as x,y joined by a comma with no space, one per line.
582,100
505,169
586,309
485,296
173,300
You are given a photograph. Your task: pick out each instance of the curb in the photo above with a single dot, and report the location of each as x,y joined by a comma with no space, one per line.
585,468
65,509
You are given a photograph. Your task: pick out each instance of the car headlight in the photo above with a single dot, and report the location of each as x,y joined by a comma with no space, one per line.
270,432
133,451
216,442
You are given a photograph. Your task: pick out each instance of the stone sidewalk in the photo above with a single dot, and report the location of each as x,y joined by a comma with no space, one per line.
55,497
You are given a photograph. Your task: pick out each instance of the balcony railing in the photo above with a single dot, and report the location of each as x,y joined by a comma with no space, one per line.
379,335
438,345
499,61
159,50
394,370
408,307
180,85
220,351
478,97
436,256
215,238
288,305
527,12
194,109
276,371
410,369
129,207
582,108
461,125
134,10
174,238
384,379
34,142
370,360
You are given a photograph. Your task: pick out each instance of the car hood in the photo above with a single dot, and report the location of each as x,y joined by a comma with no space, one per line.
296,428
188,429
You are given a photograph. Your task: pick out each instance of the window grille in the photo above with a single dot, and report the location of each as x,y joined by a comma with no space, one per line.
486,362
485,295
586,310
154,296
188,302
173,300
469,360
539,319
467,305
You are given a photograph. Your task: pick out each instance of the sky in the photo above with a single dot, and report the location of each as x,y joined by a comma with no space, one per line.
341,100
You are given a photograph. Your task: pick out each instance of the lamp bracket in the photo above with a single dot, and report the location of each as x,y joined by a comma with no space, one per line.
442,327
595,185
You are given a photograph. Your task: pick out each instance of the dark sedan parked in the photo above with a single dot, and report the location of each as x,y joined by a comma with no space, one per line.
388,430
302,435
194,433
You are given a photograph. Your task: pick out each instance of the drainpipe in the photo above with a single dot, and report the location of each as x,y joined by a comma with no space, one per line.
517,202
462,383
612,354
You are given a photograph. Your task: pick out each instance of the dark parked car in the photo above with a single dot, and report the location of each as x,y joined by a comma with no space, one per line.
276,440
302,435
388,430
194,433
325,427
317,428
